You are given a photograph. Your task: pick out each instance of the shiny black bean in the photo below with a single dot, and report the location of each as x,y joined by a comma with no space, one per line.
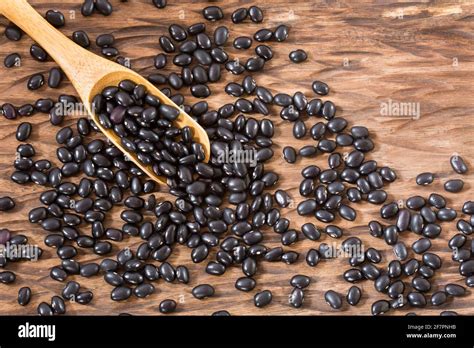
333,299
455,290
44,309
353,295
298,56
12,60
6,203
262,299
458,164
242,42
320,88
38,53
212,13
380,307
35,82
13,33
425,178
281,33
81,38
167,306
264,52
203,291
454,186
24,296
120,293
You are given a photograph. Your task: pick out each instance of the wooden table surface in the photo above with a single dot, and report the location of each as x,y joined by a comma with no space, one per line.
369,54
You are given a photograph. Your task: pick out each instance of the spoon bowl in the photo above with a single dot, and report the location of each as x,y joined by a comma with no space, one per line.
90,74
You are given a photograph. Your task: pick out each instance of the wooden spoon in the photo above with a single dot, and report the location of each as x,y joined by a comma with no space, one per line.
90,74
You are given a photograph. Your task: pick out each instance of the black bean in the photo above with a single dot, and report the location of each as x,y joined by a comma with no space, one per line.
7,277
58,274
81,38
299,129
432,260
203,291
144,290
215,268
281,33
353,295
58,305
200,91
239,15
255,64
104,7
182,274
38,53
35,82
458,164
221,34
296,298
245,284
416,299
310,231
424,179
464,227
370,271
264,52
235,67
347,212
263,298
167,306
120,293
466,268
161,4
13,33
105,40
12,60
380,307
212,13
333,299
44,309
89,269
263,35
55,18
24,296
455,290
415,202
446,214
70,290
468,207
243,42
177,32
298,56
455,185
438,298
300,281
421,284
289,154
321,88
6,203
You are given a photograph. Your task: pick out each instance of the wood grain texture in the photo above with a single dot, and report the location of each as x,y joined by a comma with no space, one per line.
368,53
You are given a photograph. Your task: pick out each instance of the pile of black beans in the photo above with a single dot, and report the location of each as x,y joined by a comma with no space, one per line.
221,205
421,216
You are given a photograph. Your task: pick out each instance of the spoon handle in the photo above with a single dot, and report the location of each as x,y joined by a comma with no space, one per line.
81,66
